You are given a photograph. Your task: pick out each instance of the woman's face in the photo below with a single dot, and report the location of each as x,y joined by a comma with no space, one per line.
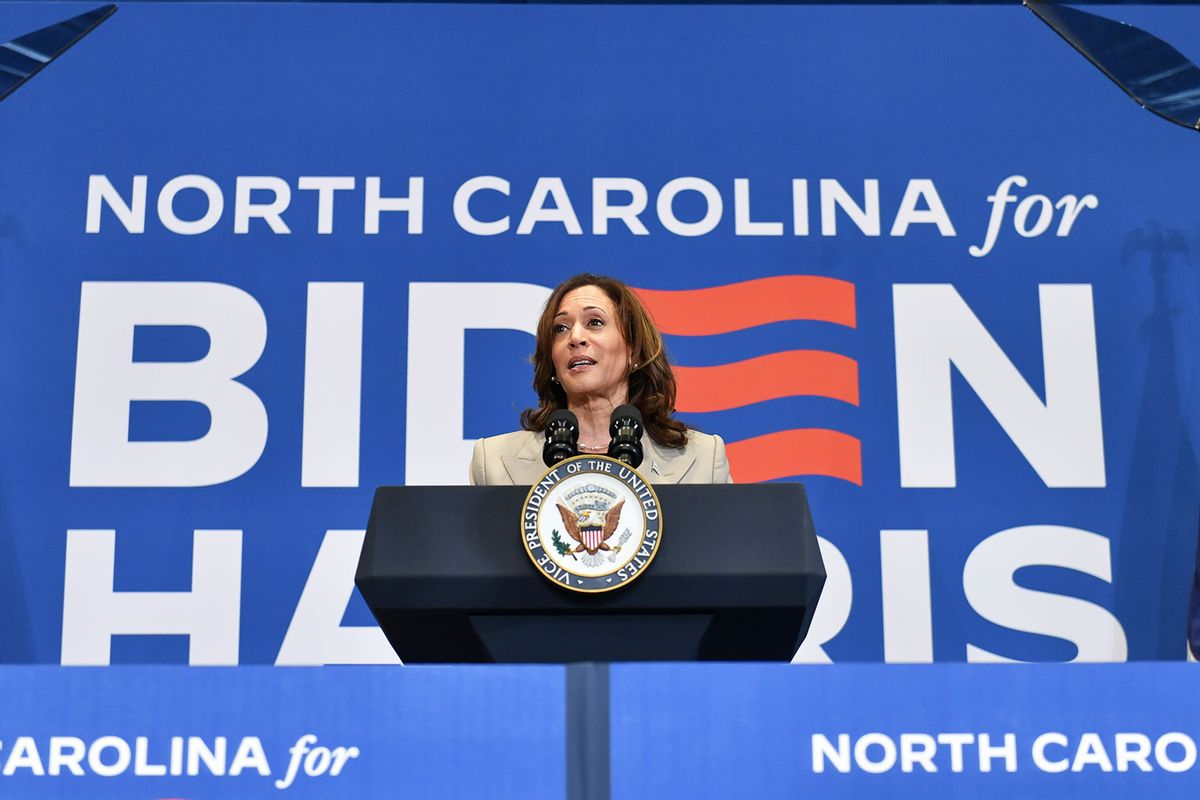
591,357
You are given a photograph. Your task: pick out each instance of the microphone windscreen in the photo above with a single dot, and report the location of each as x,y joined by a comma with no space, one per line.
626,411
563,415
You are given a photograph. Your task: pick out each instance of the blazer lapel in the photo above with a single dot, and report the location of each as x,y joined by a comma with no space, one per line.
526,466
664,464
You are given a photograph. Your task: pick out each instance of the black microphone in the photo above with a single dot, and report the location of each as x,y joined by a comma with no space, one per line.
626,433
562,437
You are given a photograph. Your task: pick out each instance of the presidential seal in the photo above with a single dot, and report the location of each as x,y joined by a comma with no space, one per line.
591,524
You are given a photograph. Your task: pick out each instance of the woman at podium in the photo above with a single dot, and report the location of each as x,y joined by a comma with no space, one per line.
598,349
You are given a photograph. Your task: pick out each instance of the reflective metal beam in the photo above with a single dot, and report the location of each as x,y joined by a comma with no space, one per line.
1152,72
25,56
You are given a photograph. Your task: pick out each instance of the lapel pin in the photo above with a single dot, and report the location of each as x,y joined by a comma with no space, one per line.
654,468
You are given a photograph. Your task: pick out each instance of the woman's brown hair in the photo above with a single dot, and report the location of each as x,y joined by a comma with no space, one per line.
651,385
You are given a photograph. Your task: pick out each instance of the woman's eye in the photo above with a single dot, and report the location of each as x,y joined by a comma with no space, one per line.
595,322
560,328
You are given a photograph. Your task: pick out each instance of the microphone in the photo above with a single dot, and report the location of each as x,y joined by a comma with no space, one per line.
562,437
626,433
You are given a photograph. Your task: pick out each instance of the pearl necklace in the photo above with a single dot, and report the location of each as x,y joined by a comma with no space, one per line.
595,448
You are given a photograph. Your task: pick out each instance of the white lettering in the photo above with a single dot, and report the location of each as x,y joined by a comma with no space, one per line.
107,379
1045,215
743,226
666,206
141,759
799,207
462,205
214,758
1040,759
862,753
435,451
66,752
96,756
1091,751
209,614
603,210
956,742
376,203
250,755
536,210
1072,207
325,187
332,385
316,635
999,201
24,755
132,215
823,750
934,212
1163,755
1062,438
1132,748
271,212
995,596
917,748
297,752
206,222
907,606
988,752
833,197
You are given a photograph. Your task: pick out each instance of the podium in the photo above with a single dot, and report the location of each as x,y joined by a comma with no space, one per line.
736,579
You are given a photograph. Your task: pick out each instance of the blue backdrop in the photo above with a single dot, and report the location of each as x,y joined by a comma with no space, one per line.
999,451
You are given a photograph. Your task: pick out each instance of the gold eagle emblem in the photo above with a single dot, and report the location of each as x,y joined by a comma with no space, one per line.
589,529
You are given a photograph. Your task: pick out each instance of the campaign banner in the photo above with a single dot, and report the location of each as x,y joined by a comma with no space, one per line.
712,730
257,260
1104,731
175,732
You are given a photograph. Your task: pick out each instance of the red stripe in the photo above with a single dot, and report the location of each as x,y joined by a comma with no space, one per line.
806,451
792,373
736,306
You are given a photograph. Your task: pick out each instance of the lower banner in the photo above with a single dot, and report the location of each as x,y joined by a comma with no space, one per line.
949,731
185,734
681,730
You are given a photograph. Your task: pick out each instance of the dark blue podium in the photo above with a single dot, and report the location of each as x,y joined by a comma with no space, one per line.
737,579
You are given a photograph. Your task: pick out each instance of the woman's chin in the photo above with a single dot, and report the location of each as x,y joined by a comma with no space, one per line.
580,392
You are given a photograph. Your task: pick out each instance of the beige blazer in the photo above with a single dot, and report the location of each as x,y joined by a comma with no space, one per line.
516,459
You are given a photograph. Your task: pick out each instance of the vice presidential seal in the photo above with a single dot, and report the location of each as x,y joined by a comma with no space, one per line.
591,524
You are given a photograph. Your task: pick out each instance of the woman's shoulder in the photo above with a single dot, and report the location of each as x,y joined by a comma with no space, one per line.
488,459
512,437
698,443
506,443
711,462
701,441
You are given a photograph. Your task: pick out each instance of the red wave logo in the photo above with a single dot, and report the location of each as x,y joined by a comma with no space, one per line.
803,451
792,373
737,306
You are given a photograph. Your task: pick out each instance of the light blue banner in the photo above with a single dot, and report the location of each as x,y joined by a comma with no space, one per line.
304,733
716,730
863,731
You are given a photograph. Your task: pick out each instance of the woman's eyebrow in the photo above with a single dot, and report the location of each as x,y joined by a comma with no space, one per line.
585,308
